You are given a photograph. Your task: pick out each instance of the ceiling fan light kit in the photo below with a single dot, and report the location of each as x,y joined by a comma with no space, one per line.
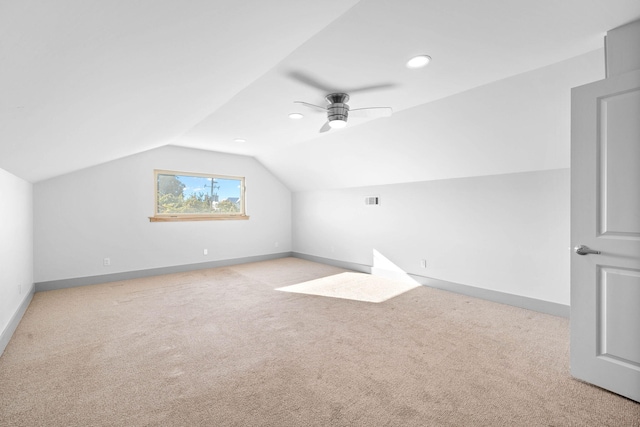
337,123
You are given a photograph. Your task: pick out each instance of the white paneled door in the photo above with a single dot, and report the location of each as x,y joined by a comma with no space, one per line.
605,234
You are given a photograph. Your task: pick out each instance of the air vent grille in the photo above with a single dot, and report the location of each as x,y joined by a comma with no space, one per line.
371,200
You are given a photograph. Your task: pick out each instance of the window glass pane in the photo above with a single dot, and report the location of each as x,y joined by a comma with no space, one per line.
188,194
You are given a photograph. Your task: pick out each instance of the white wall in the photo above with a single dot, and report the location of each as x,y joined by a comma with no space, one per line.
508,233
16,244
622,44
103,211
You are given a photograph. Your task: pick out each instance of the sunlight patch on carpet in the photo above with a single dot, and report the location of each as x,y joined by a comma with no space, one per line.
353,286
384,267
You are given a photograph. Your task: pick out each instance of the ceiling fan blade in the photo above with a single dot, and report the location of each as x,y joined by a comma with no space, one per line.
372,87
310,81
325,127
371,112
315,107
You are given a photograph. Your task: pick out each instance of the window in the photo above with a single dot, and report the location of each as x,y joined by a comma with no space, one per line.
197,197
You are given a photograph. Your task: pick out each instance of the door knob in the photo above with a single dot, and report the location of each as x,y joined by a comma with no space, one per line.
583,250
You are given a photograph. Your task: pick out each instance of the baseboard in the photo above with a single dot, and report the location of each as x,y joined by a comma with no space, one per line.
136,274
362,268
533,304
6,335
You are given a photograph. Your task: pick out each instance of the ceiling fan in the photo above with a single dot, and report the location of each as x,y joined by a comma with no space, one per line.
338,110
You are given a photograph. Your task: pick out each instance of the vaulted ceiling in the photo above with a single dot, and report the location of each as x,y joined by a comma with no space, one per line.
83,82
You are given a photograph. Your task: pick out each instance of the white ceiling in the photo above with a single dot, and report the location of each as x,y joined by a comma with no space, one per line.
84,82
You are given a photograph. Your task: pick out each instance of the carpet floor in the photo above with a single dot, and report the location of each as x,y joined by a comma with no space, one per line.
224,347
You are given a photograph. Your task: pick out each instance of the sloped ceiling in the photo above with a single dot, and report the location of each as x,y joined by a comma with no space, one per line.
84,82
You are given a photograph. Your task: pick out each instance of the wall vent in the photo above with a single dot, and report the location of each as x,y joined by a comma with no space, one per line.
371,200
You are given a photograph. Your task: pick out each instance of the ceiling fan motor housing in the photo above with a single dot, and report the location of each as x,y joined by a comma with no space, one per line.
338,108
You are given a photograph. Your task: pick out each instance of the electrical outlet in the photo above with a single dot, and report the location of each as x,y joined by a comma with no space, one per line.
276,244
423,263
106,262
205,252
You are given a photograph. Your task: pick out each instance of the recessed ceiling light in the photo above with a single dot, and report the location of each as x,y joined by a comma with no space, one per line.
239,140
418,61
295,116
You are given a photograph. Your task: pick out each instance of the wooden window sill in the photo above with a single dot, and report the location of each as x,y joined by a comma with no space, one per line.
197,218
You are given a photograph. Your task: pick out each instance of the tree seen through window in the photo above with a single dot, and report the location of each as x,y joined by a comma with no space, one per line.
183,194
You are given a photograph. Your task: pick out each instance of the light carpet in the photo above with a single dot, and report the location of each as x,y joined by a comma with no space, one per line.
222,347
